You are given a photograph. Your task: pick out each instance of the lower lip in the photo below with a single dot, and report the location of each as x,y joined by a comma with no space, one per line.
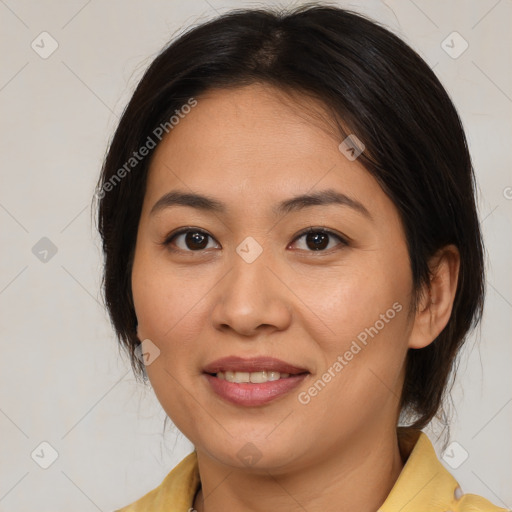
249,394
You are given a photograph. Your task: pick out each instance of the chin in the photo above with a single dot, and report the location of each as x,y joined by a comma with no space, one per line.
253,453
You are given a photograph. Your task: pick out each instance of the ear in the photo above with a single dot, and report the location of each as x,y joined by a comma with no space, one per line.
436,298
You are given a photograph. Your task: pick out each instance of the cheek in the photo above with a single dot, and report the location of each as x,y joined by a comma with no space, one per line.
366,309
355,298
164,299
164,307
362,361
171,313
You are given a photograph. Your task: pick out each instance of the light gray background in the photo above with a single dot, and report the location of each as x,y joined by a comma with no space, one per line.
62,378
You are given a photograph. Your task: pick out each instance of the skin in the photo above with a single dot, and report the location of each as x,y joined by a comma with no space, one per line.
251,148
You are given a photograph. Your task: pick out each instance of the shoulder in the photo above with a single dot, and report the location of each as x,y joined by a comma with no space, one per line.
177,490
474,503
425,483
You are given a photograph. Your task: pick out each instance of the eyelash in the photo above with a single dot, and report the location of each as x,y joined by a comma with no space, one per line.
167,242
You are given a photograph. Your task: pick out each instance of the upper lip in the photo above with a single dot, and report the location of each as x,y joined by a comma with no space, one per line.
254,364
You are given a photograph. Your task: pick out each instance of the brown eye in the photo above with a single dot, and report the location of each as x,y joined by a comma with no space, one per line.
191,239
318,239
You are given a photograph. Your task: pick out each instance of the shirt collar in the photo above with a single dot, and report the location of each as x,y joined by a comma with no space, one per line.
423,479
423,484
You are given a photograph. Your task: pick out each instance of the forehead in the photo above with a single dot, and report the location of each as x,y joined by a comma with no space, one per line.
256,144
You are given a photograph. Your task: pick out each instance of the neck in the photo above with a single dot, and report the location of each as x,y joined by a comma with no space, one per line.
356,476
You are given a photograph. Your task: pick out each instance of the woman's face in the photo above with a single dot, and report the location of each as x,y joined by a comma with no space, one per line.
247,283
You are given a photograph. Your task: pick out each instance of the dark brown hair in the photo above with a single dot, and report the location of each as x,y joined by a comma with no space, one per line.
383,92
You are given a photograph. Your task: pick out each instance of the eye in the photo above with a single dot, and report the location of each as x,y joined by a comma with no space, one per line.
317,239
194,240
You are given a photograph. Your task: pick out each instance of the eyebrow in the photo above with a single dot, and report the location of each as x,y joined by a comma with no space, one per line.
205,203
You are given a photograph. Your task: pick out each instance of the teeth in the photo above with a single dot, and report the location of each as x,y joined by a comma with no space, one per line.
254,377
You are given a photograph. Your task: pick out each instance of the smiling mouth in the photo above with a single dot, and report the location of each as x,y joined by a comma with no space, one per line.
252,382
253,377
253,389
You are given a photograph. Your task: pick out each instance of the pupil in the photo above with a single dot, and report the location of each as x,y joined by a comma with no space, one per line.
320,240
195,240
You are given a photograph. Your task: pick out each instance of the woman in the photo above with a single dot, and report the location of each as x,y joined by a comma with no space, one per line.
293,257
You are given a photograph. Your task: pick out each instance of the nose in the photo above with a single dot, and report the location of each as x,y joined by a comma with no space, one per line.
252,298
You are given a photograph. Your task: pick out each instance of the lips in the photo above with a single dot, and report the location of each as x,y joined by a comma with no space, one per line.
255,364
252,382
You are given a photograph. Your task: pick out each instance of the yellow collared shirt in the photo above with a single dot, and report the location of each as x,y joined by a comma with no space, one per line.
424,485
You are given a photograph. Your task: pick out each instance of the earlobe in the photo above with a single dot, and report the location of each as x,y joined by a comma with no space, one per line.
436,301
